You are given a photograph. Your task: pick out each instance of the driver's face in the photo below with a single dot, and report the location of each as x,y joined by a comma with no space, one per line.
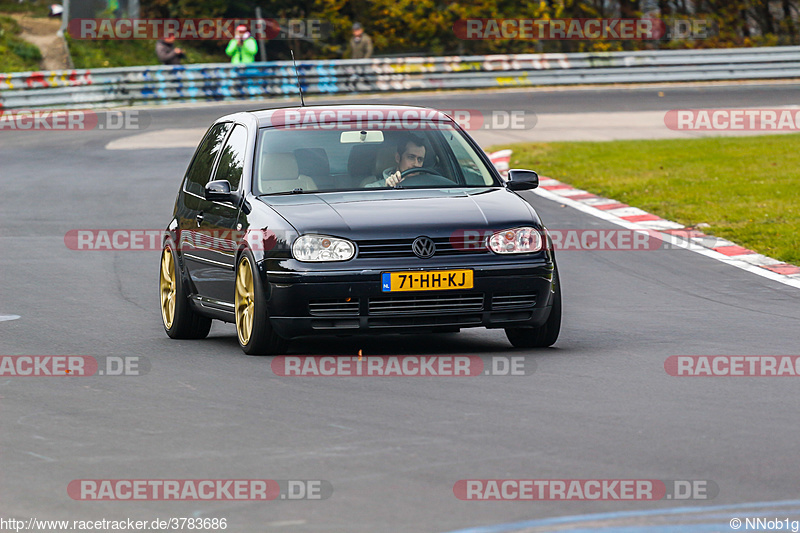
413,157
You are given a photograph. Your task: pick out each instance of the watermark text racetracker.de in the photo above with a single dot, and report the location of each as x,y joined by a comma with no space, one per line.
733,365
584,489
403,119
401,366
213,29
778,119
493,119
118,240
586,29
199,489
596,239
72,365
72,120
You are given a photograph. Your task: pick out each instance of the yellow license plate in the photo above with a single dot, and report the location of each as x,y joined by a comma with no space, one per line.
426,280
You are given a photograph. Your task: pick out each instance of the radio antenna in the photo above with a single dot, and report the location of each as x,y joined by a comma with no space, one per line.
297,75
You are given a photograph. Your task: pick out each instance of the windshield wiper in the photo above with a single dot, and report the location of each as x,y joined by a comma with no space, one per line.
293,191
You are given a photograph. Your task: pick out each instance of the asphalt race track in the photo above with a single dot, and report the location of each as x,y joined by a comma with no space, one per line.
598,406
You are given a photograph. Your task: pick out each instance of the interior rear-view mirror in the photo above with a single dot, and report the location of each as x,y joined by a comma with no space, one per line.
363,136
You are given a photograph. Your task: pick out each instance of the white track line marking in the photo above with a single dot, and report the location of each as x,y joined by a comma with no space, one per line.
735,261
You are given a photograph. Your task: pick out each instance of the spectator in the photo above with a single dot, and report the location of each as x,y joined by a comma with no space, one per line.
360,45
166,51
243,47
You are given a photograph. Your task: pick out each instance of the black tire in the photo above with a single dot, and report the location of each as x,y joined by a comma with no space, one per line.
262,339
186,323
544,335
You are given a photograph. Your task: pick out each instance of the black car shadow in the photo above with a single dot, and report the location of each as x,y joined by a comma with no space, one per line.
465,342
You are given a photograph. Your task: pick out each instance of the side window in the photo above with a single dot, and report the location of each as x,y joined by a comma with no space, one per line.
199,172
473,169
231,164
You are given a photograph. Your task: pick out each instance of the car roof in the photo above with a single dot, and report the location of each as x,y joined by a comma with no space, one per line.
276,117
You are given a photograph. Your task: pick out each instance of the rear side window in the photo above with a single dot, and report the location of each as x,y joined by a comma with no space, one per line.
199,172
231,163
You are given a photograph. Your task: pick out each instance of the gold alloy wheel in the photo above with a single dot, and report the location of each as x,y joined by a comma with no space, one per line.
245,294
167,286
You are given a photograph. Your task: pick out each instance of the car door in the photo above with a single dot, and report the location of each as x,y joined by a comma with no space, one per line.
219,222
193,205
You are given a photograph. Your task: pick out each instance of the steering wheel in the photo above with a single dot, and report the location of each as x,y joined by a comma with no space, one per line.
433,178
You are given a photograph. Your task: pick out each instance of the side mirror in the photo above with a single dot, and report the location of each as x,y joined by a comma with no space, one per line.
522,180
219,191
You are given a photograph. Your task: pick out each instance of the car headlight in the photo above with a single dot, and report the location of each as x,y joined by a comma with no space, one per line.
516,241
322,248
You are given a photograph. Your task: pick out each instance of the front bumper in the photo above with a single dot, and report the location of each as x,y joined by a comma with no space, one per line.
352,302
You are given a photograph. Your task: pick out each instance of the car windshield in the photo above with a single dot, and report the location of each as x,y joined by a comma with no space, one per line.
300,160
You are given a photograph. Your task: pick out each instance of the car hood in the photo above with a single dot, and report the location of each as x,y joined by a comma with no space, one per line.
399,214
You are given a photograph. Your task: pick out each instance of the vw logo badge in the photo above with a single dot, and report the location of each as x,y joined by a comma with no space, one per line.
423,247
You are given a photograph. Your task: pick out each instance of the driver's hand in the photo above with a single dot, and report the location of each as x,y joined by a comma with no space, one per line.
394,179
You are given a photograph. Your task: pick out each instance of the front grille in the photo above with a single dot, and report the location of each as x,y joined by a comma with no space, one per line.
405,321
419,309
422,304
394,248
333,308
513,300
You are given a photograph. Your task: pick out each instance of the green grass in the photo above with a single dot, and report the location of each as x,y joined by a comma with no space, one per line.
16,55
101,54
36,8
746,188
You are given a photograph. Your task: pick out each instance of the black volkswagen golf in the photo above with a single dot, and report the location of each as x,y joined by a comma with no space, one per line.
353,219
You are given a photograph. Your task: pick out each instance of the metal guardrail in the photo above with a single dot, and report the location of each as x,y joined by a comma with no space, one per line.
209,82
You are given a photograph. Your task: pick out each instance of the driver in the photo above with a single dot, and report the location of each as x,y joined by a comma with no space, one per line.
410,154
